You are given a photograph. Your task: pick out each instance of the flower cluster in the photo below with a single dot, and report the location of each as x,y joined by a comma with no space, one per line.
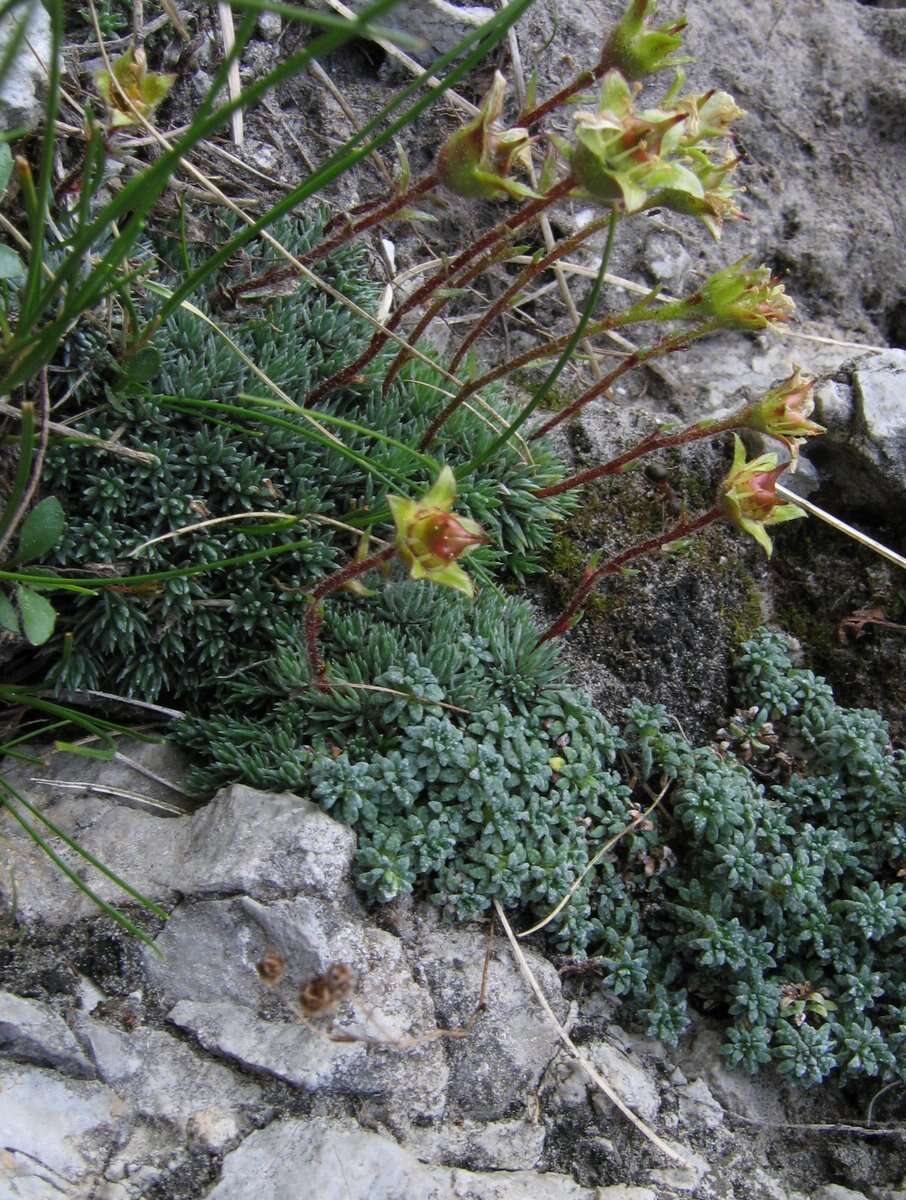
784,412
130,91
430,538
643,158
749,498
636,49
477,159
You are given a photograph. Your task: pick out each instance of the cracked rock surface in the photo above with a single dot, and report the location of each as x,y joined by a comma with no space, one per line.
182,1075
178,1073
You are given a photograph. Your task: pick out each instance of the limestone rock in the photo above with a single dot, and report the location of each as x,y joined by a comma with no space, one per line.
208,973
697,1107
149,1068
20,90
682,1179
338,1158
438,24
495,1070
736,1091
864,450
261,844
257,843
833,1191
495,1146
619,1192
57,1132
269,26
33,1033
628,1078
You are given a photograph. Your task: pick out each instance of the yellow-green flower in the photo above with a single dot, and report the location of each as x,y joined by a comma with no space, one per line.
429,537
617,157
742,297
749,498
637,49
477,159
783,412
133,83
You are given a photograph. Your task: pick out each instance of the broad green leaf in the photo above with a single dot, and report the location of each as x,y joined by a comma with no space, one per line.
6,166
41,530
8,618
38,616
141,367
11,266
85,751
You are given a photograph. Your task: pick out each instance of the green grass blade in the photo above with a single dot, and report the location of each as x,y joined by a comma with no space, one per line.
28,351
140,193
328,21
355,149
554,373
6,791
177,572
31,291
192,404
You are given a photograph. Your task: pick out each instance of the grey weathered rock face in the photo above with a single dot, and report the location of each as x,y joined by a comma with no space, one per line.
21,91
142,1065
499,1065
33,1033
340,1158
215,851
833,1191
863,407
629,1078
439,24
516,1145
208,974
823,89
57,1132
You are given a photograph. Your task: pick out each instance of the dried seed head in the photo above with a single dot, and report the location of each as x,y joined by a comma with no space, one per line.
270,968
323,994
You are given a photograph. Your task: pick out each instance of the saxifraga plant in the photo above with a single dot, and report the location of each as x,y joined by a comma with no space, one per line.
625,158
228,614
766,887
92,285
219,455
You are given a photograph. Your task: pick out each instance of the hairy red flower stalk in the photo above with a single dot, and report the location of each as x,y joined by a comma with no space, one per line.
383,210
612,56
433,310
529,272
648,445
584,80
545,349
667,345
314,616
421,295
681,530
388,209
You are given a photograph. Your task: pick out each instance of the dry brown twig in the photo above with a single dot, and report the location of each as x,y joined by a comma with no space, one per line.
587,1067
322,996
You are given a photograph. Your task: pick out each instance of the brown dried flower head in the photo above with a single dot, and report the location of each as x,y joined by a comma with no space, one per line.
323,994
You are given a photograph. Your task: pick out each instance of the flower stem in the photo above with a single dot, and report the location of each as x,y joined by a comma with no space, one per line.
421,295
434,310
666,345
528,273
681,530
382,211
314,615
648,445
